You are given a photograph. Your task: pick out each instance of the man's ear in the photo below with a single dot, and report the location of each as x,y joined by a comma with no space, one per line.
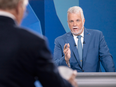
83,21
19,11
18,7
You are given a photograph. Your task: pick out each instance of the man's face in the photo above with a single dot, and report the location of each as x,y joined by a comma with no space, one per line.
75,23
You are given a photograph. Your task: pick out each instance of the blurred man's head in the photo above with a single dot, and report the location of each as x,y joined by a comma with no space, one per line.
76,20
15,7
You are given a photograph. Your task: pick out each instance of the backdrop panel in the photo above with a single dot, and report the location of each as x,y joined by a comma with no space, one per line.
101,15
49,17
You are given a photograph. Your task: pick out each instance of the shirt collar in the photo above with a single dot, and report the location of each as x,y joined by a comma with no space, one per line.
7,14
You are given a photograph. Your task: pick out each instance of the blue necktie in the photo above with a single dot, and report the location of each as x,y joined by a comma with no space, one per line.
80,48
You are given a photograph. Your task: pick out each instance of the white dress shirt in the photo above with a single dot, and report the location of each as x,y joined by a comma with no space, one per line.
76,39
7,14
76,42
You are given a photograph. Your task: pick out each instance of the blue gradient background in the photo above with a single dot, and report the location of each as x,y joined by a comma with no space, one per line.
49,18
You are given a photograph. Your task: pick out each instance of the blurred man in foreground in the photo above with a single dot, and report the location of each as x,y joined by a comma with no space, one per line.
82,49
23,55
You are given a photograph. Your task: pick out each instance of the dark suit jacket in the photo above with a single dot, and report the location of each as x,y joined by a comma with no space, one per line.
24,57
95,51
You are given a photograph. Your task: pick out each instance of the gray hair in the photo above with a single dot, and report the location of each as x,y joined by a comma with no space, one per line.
76,9
10,4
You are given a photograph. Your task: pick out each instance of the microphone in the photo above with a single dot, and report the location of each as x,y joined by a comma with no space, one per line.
83,42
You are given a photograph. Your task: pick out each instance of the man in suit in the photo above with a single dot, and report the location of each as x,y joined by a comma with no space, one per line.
24,57
82,49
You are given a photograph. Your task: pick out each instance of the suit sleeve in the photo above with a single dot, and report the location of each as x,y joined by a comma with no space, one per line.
46,71
58,53
105,57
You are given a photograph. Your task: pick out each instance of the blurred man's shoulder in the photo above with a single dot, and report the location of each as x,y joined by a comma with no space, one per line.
28,33
64,35
93,30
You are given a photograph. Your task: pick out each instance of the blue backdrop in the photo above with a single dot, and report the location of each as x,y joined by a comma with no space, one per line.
49,18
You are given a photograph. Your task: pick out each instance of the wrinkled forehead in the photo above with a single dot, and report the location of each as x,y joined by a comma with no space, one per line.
77,14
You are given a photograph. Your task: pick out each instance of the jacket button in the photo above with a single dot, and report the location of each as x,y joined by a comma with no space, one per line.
82,70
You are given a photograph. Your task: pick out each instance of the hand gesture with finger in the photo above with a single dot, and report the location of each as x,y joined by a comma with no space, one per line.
67,52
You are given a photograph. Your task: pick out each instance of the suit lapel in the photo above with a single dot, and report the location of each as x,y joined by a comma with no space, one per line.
73,48
87,39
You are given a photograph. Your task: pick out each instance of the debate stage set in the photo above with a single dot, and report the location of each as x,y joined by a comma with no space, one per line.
96,79
49,18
